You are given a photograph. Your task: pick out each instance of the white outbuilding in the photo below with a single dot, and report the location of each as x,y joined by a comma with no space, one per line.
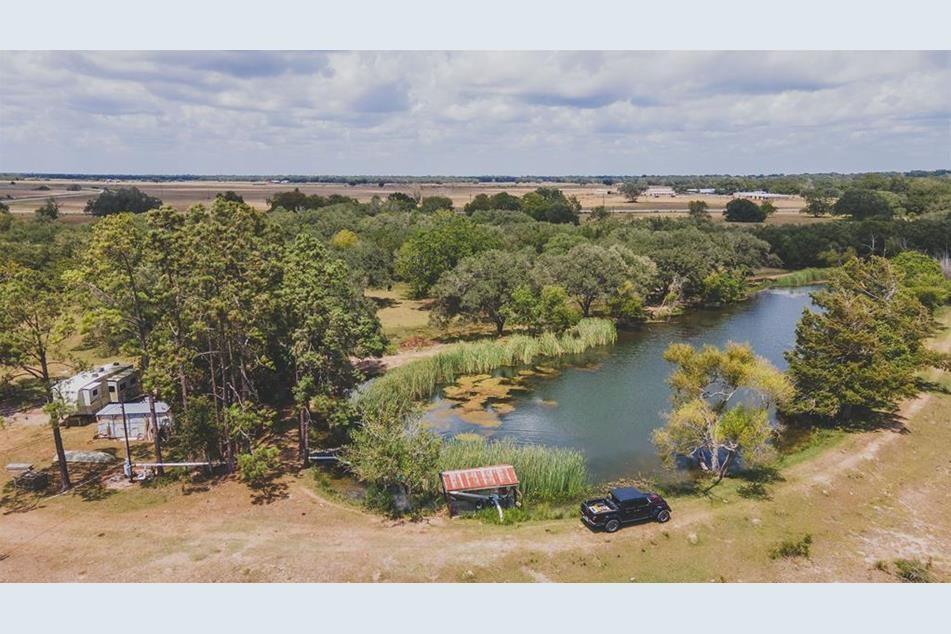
138,419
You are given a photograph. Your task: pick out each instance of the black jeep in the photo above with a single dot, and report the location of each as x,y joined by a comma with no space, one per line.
624,505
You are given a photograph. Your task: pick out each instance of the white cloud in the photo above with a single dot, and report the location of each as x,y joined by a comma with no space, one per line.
474,112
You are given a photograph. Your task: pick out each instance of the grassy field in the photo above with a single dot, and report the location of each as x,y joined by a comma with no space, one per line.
23,196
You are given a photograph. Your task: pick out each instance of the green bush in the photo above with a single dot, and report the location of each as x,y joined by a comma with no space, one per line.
790,548
913,571
258,467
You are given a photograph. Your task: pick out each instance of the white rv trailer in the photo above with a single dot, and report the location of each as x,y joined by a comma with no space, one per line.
90,391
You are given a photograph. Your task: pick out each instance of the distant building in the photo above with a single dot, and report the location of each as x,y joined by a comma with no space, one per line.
759,194
657,191
138,418
702,190
89,391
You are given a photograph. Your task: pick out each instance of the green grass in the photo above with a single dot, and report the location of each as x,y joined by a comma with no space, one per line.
802,277
545,474
402,388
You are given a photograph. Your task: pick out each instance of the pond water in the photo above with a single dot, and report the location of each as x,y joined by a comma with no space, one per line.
606,402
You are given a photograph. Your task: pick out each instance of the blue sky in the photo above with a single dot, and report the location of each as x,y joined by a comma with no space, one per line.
474,112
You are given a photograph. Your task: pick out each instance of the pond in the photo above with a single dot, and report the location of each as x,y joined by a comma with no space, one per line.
605,403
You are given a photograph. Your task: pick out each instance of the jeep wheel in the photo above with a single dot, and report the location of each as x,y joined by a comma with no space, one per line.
612,526
663,516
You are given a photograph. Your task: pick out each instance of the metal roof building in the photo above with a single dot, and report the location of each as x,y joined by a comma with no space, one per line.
474,489
479,479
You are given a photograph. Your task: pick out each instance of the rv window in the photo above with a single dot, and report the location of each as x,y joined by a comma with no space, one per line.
112,388
122,386
95,392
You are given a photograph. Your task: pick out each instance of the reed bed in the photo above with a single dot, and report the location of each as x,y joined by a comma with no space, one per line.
544,473
402,388
802,277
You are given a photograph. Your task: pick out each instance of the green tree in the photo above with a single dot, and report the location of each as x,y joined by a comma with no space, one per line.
344,239
860,204
328,322
819,201
431,204
123,199
480,288
115,284
33,322
231,196
588,273
398,201
547,310
390,452
724,287
864,349
743,210
630,190
600,213
550,204
257,467
704,426
32,326
49,211
923,276
438,247
698,209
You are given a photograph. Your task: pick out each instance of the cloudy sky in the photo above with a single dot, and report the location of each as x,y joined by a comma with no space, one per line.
473,112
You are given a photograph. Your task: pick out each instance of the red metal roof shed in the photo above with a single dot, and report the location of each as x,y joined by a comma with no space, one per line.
502,475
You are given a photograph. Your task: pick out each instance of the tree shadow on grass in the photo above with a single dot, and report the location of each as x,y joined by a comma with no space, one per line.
14,499
268,491
384,302
756,479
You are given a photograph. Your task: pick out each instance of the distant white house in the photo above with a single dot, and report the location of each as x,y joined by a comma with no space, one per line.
759,194
138,419
702,190
89,391
658,191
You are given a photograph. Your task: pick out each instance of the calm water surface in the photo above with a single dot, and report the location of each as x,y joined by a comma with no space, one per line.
606,403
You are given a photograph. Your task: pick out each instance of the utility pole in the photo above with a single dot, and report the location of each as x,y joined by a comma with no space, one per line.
157,441
125,429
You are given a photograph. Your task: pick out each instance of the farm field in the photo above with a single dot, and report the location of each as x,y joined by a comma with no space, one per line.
866,499
23,197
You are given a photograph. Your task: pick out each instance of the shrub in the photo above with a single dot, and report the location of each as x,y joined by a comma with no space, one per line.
743,210
123,199
257,468
913,571
790,548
